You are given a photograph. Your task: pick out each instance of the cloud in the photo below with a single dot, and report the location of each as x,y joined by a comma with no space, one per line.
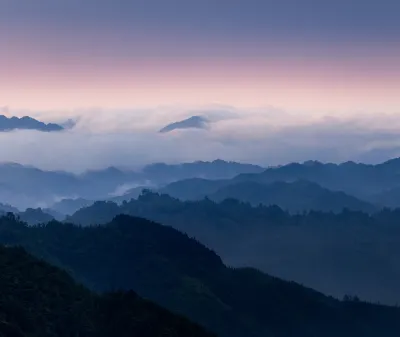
269,136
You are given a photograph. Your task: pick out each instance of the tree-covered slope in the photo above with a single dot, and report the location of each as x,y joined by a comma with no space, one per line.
345,253
168,267
39,300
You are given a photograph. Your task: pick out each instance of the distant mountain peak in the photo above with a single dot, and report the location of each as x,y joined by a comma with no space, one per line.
194,122
26,123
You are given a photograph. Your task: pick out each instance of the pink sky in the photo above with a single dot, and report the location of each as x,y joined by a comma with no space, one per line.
67,55
56,83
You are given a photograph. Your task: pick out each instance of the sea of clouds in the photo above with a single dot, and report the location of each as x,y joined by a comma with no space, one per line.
268,136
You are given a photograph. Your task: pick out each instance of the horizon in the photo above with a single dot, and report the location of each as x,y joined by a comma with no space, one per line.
139,169
232,166
277,81
131,138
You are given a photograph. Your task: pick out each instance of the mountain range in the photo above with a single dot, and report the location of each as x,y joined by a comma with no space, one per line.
360,180
25,186
369,183
307,226
294,187
350,252
178,272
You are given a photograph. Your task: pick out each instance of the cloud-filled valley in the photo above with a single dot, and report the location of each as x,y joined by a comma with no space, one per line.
130,139
199,168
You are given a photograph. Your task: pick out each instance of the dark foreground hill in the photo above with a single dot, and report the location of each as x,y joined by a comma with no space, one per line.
39,300
179,273
345,253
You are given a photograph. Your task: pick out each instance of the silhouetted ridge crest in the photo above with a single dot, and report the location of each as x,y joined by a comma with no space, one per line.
194,122
26,123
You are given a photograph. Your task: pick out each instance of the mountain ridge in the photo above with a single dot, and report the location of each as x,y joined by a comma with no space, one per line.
27,123
337,253
193,122
347,177
30,187
180,273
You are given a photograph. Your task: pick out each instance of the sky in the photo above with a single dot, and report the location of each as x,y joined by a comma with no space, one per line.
268,66
296,54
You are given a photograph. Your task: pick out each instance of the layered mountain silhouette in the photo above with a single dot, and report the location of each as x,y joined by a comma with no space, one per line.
348,252
178,272
194,122
25,186
26,123
366,182
360,180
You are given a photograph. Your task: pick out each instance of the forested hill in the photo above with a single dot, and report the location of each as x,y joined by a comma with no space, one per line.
349,252
39,300
181,274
